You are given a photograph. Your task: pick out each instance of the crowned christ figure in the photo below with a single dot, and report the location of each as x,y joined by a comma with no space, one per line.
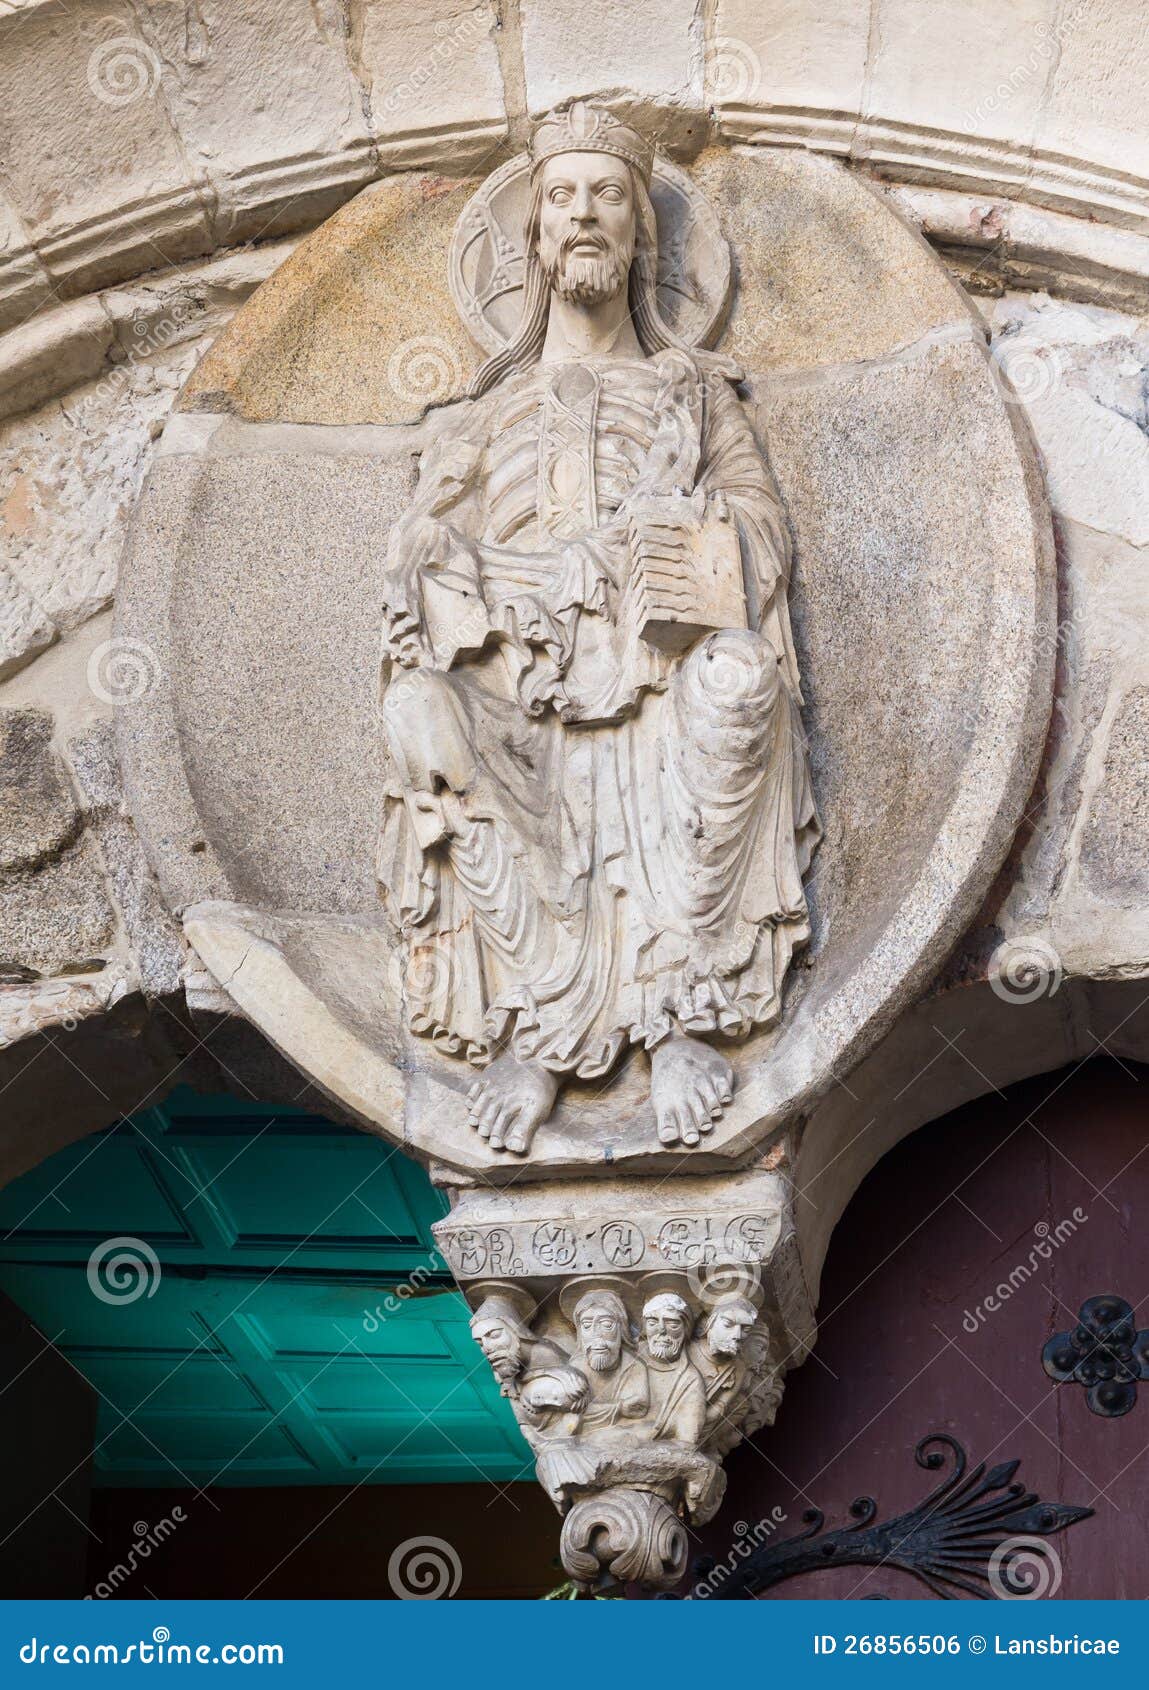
598,809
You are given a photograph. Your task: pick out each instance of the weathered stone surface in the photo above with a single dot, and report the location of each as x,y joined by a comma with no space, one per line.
72,467
992,243
1093,103
57,919
648,56
54,913
358,325
149,124
1034,99
1082,374
1052,909
866,645
967,69
40,817
53,352
109,155
24,283
290,811
1115,843
431,69
791,59
44,1006
267,108
25,628
155,943
59,349
824,275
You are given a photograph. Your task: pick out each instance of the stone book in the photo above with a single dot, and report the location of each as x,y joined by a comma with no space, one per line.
686,575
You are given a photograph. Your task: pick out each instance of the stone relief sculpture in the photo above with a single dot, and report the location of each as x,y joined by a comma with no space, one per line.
628,1416
593,809
598,811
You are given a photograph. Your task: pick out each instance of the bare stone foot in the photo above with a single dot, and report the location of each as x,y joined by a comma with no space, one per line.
510,1101
690,1085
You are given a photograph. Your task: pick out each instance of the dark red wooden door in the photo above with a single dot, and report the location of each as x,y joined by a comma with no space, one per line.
966,1248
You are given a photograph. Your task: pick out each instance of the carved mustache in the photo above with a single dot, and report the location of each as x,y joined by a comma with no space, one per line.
584,237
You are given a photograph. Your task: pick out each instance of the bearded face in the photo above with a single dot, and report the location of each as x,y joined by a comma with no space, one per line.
665,1336
600,1339
500,1346
727,1330
586,226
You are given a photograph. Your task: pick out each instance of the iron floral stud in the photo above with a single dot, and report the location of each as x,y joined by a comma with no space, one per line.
1104,1352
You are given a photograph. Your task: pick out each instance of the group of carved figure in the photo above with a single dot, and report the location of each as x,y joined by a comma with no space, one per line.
696,1383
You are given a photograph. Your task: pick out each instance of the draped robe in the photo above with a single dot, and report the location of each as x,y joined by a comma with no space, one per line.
587,840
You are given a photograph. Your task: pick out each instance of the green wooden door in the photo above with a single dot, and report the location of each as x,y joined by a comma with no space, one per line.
273,1313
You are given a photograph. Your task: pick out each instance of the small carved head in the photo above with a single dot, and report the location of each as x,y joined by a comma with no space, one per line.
502,1335
601,1325
666,1326
725,1328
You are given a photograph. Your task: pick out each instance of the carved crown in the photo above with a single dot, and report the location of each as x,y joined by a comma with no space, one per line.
578,126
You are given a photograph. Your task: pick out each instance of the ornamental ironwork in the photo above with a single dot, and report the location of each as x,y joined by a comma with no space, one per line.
976,1534
1104,1352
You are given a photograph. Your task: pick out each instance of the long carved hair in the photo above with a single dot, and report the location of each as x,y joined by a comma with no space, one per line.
526,344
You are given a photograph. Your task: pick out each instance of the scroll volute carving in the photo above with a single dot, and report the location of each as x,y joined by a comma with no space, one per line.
630,1395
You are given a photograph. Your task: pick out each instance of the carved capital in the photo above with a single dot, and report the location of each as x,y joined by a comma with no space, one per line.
639,1335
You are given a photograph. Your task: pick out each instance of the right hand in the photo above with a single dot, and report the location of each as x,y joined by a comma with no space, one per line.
418,541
